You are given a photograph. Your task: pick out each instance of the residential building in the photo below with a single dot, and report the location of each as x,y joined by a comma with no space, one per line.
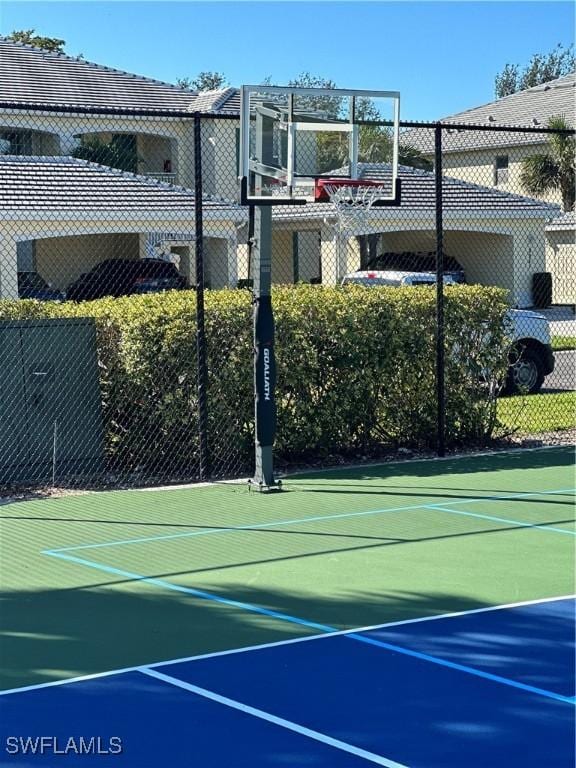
494,158
52,104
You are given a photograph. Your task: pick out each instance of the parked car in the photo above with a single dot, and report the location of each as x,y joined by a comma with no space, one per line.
530,358
120,277
32,285
415,261
397,278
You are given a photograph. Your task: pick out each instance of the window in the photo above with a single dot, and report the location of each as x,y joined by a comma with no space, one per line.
16,142
501,170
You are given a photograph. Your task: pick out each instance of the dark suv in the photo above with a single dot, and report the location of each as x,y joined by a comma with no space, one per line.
120,277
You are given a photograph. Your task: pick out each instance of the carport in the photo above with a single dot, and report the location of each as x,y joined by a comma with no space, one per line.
61,203
498,238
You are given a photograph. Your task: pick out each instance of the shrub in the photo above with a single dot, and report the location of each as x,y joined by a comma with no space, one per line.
356,369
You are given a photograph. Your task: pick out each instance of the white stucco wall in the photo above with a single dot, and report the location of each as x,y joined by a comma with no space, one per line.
67,245
561,263
479,167
158,138
60,260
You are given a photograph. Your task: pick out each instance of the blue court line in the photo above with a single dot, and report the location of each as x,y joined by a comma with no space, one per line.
234,528
306,623
278,523
291,641
191,591
461,668
518,523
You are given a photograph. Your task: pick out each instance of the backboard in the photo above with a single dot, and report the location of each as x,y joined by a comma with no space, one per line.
290,137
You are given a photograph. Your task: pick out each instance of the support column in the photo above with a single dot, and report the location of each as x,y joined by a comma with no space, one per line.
8,268
232,259
334,256
529,256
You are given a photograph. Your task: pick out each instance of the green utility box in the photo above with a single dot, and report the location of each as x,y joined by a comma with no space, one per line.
50,402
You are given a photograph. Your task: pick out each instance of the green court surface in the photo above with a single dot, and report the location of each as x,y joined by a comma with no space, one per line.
101,581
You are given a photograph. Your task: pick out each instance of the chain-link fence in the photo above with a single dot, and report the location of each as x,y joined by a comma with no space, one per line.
126,329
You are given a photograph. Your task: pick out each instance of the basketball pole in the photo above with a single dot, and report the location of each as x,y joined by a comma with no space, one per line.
269,120
264,358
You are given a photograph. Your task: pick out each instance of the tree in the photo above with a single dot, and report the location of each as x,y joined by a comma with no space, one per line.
374,141
329,105
553,170
540,69
118,153
53,44
204,81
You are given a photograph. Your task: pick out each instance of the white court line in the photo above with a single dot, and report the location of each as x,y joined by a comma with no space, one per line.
279,643
270,718
455,614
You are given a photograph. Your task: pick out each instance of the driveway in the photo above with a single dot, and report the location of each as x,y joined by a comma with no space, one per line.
562,320
563,377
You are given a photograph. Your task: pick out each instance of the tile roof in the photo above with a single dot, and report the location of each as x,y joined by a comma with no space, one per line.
565,221
419,196
231,104
35,77
223,101
530,108
68,184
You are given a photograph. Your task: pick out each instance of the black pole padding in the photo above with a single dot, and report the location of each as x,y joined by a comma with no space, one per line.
251,217
264,360
264,371
440,361
201,346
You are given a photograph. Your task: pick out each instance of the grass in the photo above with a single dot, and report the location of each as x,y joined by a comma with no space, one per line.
538,413
563,343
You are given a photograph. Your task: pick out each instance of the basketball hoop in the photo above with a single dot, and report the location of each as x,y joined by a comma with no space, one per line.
351,199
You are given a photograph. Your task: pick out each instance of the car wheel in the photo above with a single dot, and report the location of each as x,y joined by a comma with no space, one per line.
526,372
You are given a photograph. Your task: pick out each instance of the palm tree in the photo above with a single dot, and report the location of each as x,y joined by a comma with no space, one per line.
554,169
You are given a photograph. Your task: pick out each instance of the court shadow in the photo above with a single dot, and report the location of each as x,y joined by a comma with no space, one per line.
327,543
50,634
451,465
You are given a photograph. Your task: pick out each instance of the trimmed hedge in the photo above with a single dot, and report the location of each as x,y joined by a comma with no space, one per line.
356,369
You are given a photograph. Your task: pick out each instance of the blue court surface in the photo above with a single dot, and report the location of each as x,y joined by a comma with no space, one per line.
481,689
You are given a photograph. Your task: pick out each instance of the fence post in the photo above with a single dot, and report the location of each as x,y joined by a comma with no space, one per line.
202,372
440,387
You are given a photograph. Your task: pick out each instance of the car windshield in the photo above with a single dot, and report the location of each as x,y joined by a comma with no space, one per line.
31,280
108,266
156,268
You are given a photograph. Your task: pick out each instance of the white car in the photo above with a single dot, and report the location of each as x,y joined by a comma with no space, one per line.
531,356
396,278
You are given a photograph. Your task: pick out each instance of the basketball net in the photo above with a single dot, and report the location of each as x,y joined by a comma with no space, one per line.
352,204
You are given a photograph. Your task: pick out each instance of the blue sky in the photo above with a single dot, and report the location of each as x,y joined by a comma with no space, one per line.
442,56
